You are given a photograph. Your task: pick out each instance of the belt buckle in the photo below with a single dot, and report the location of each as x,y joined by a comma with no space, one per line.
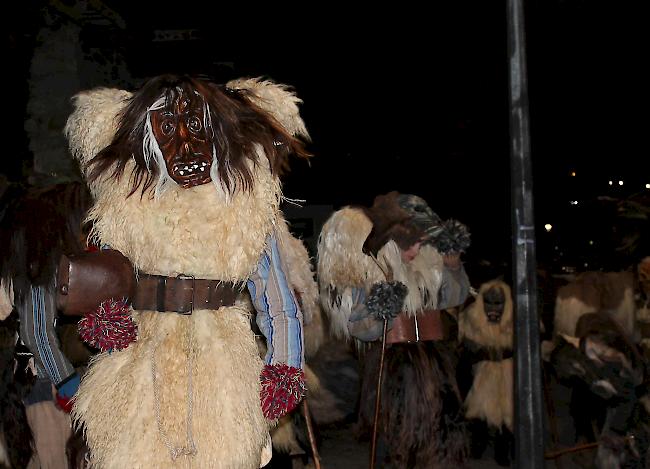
187,277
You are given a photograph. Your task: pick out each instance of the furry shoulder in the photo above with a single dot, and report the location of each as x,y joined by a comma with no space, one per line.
277,99
92,124
341,261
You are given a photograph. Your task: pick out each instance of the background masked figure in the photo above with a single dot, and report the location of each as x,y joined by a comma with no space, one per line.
380,263
184,174
485,373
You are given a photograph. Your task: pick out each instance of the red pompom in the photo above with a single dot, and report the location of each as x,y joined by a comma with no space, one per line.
110,327
283,387
64,403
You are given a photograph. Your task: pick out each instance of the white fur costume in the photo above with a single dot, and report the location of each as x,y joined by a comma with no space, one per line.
125,416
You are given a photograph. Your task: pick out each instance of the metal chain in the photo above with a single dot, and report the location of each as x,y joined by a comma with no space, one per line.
190,448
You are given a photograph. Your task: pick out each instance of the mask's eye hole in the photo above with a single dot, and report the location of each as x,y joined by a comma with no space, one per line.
194,124
167,127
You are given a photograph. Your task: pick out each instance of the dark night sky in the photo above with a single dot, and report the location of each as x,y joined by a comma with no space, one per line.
395,99
415,99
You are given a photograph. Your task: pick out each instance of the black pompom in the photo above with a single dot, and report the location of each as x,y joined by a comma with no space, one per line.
454,238
386,299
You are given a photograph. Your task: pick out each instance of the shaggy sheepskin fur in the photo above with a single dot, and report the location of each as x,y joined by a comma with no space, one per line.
193,232
490,397
116,402
342,265
276,99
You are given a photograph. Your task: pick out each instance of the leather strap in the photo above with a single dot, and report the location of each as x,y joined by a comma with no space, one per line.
181,294
426,325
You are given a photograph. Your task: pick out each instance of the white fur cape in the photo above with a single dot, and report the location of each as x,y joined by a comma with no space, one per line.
125,417
342,266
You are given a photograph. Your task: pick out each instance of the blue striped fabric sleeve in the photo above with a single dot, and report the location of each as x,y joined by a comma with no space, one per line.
37,331
278,313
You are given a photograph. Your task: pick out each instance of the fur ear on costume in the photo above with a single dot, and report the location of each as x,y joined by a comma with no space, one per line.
275,98
93,123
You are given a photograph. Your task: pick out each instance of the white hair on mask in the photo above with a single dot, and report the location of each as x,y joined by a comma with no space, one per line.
151,150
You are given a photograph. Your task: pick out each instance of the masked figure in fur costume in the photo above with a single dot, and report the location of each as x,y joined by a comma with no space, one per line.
184,174
398,262
485,369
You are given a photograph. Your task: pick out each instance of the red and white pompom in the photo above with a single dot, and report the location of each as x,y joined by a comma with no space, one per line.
283,387
110,327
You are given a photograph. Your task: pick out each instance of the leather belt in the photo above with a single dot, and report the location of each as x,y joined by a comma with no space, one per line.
425,325
181,294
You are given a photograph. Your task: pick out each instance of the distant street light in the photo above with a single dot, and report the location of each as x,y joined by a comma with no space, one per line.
548,227
611,183
620,183
647,186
